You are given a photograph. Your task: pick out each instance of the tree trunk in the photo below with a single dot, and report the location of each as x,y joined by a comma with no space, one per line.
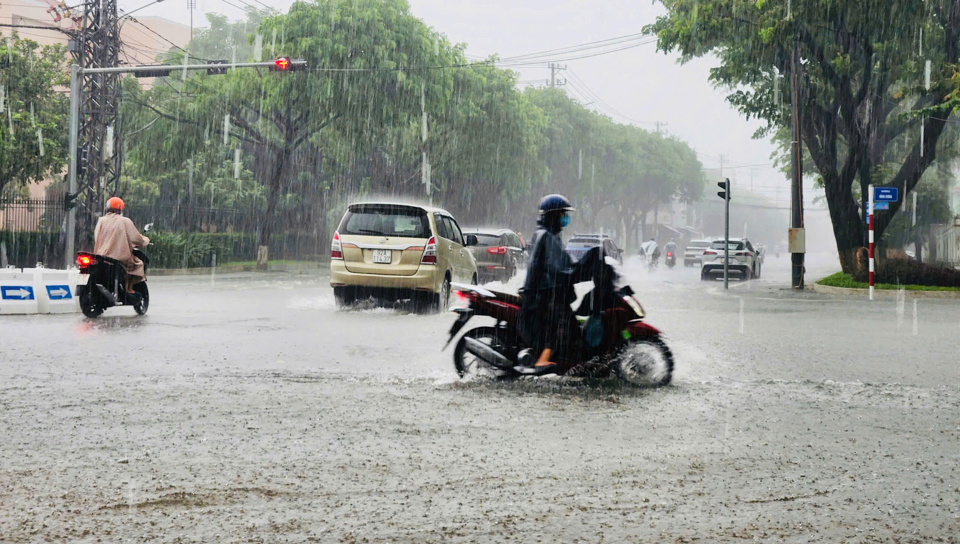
273,195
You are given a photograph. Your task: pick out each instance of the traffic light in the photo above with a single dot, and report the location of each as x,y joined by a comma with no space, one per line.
725,185
286,64
70,201
219,70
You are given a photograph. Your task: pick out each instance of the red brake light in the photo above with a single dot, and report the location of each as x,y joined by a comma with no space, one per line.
709,252
669,254
497,250
84,260
336,250
430,252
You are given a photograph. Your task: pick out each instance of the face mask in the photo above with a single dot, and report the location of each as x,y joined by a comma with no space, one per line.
565,220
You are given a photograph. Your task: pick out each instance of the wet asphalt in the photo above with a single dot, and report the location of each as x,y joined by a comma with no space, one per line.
247,408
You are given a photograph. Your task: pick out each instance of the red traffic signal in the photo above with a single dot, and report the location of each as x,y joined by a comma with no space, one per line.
286,64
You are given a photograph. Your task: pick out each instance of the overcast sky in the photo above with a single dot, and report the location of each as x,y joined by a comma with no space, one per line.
637,84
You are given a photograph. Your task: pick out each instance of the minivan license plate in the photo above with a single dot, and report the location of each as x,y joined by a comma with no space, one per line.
382,256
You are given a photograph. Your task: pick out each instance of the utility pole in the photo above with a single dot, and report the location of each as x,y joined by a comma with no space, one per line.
723,159
96,153
554,68
660,126
796,235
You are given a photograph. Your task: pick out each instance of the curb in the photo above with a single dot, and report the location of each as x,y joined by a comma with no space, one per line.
304,268
883,293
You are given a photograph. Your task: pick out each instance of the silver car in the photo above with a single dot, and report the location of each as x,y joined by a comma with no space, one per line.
743,260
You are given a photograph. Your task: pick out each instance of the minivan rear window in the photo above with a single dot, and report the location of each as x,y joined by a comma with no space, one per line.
386,220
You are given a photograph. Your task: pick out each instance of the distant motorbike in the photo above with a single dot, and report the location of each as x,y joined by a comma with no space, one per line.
103,284
651,251
616,340
671,258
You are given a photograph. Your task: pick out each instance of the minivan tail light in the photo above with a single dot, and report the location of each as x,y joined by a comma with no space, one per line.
430,253
502,250
709,252
336,250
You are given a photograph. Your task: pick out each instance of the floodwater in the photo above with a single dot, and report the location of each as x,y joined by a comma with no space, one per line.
247,408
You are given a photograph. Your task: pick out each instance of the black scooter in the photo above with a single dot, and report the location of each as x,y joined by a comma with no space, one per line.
671,258
103,284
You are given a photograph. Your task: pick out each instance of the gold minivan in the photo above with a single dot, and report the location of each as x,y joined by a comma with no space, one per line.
397,251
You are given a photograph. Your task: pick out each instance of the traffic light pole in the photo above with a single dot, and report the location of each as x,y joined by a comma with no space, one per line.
726,238
154,70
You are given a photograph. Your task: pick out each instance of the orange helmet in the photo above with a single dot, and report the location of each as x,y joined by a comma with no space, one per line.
115,203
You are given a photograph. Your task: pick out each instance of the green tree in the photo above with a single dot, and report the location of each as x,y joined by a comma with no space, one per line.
370,60
33,113
863,103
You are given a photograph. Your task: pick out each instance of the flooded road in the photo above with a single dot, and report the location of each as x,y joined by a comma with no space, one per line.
246,408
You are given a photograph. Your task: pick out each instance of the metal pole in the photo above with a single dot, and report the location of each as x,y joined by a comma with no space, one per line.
726,239
870,239
72,188
796,192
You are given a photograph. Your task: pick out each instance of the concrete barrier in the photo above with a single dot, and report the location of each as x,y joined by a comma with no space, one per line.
55,291
38,290
18,294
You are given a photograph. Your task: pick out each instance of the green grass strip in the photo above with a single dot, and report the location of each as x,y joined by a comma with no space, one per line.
846,280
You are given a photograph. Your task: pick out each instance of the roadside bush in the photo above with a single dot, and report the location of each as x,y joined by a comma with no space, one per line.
910,272
196,249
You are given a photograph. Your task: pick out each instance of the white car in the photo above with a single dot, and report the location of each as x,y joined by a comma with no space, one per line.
743,263
694,251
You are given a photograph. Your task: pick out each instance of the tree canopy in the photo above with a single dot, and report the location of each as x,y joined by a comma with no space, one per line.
869,112
33,113
352,125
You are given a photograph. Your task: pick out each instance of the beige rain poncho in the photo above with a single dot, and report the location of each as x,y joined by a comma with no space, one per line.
115,237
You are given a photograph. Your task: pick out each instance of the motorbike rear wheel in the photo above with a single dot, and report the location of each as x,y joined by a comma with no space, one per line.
647,362
90,304
469,365
141,306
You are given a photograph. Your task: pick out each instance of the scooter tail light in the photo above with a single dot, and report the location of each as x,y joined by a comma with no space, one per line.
336,249
430,252
85,260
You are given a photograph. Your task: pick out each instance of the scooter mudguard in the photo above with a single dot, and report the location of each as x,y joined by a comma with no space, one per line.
642,329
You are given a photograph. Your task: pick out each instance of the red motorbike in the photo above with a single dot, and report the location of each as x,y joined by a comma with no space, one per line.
616,340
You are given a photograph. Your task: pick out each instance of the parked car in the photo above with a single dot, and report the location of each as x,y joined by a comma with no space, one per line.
499,253
399,251
743,260
694,252
581,243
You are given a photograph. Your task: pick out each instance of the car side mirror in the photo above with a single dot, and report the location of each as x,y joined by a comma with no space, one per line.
472,240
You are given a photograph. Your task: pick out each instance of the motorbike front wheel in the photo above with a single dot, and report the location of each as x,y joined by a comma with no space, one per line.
469,365
647,363
90,304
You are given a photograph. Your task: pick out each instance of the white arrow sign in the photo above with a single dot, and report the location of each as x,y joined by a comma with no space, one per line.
61,292
17,292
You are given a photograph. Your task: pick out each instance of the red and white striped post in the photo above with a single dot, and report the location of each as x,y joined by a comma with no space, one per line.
870,239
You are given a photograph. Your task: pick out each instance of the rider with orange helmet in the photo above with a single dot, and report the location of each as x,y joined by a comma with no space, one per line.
116,236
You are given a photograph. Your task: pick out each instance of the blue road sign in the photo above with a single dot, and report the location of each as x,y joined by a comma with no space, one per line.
877,206
59,292
16,292
886,194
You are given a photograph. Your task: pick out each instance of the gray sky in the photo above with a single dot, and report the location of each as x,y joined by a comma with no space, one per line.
636,84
